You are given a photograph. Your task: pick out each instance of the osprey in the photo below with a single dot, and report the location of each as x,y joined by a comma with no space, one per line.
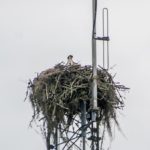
70,62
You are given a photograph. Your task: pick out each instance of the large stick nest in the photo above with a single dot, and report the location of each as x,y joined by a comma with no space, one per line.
56,94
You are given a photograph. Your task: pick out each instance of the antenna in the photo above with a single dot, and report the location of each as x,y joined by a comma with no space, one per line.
105,37
105,21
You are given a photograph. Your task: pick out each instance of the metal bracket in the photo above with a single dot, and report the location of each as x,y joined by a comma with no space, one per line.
105,38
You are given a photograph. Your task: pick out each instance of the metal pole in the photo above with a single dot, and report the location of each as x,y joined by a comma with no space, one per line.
92,135
97,146
94,63
48,140
83,119
56,137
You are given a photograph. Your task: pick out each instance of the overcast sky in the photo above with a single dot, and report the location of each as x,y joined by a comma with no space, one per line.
37,34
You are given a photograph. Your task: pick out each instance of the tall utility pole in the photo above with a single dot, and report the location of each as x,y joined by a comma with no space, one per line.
94,63
94,67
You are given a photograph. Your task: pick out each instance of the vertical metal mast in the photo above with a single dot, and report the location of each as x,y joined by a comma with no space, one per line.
94,67
94,62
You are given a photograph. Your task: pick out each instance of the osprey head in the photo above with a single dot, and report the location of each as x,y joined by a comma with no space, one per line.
70,57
